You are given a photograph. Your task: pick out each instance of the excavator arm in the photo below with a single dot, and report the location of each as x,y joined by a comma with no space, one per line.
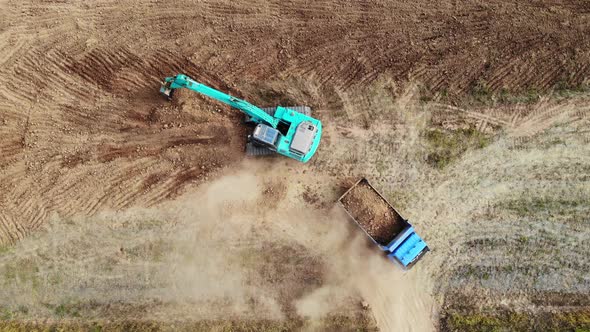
183,81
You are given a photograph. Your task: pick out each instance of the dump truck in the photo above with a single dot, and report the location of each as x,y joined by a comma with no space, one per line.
383,224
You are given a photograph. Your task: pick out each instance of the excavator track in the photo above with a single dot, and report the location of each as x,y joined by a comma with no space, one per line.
255,150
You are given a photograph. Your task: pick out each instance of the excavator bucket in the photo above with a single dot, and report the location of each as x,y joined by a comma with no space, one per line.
166,90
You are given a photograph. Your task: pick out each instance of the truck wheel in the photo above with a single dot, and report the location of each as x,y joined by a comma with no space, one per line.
255,150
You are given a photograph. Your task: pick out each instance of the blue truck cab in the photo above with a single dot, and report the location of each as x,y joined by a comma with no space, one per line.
383,224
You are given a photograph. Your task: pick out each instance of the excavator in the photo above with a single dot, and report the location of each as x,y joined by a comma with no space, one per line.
292,132
289,131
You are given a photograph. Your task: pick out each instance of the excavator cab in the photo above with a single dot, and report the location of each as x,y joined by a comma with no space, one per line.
265,136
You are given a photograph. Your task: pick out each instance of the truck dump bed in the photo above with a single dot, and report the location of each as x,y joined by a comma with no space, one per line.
383,224
372,212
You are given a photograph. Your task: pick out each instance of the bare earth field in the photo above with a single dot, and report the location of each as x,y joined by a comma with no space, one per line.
124,211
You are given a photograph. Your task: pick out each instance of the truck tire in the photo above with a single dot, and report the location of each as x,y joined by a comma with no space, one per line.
255,150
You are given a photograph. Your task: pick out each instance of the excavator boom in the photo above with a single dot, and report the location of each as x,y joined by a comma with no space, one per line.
183,81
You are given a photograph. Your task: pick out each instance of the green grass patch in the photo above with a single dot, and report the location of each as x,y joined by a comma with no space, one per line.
381,166
155,250
5,314
481,95
8,313
22,270
496,321
4,249
65,310
563,89
558,206
332,323
530,96
400,199
445,146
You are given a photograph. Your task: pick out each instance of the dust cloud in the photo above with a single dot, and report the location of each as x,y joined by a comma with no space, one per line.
221,252
233,211
399,301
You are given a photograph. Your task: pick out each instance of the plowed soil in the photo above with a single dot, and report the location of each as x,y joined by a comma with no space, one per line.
107,154
82,126
84,131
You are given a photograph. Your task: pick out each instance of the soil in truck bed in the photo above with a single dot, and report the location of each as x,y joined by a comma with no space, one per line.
373,213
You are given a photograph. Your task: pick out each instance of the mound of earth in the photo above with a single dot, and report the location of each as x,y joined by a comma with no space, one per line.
373,213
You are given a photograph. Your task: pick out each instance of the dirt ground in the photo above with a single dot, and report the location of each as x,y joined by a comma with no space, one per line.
373,213
86,142
81,160
78,80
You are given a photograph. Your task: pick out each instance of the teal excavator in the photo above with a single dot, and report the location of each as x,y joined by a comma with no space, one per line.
289,131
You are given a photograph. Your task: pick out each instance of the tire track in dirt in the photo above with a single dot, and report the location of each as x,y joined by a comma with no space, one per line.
519,120
549,114
78,81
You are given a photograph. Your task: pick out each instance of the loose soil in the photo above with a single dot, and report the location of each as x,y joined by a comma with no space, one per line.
373,213
334,323
83,130
273,193
80,109
109,155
